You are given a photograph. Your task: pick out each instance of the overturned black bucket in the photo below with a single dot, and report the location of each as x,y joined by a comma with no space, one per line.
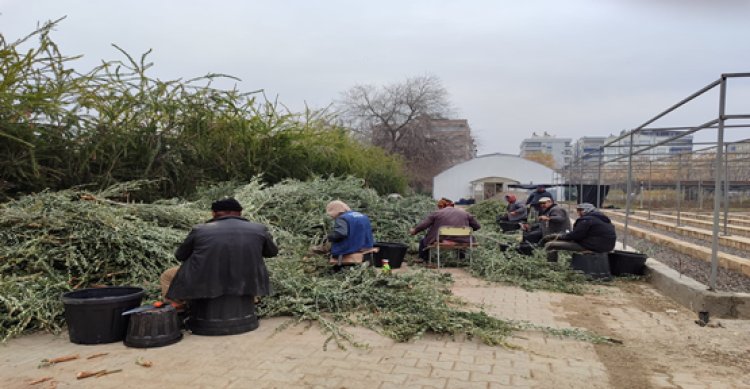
593,265
94,315
393,252
627,263
508,226
223,315
153,328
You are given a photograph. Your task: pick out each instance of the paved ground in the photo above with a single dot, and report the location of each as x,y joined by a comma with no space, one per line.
662,348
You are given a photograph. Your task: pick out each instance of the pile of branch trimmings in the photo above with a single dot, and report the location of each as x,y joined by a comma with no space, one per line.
53,242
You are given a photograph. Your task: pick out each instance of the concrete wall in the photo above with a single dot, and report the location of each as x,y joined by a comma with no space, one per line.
455,183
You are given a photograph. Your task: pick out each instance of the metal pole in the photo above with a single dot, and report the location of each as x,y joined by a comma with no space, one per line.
570,181
599,180
700,194
640,195
726,190
679,189
717,184
651,194
627,194
580,193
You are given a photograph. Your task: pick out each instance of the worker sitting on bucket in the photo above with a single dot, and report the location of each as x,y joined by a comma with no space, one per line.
592,231
222,257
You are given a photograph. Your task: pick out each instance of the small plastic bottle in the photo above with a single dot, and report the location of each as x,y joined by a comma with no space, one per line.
386,267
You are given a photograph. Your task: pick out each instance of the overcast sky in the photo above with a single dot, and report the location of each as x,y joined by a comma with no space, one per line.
571,68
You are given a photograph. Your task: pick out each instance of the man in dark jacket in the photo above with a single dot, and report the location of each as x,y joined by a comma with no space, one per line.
592,231
446,215
223,256
515,213
535,196
552,220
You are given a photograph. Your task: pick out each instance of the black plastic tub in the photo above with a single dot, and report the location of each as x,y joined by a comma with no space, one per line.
223,315
525,248
508,226
94,315
593,265
393,252
627,263
153,328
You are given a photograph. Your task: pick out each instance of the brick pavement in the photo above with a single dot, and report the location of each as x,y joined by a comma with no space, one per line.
294,358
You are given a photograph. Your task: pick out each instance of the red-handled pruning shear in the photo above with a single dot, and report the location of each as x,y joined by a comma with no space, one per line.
142,308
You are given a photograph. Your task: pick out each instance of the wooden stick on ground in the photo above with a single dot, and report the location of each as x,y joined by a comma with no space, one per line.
86,374
52,361
96,355
40,380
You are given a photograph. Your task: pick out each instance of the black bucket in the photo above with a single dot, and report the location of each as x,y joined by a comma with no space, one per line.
525,248
508,226
594,265
393,252
94,315
223,315
153,328
626,263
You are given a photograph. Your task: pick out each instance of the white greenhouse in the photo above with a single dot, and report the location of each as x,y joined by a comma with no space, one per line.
489,175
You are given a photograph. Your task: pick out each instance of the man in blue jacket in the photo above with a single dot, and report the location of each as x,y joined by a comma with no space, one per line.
351,230
592,231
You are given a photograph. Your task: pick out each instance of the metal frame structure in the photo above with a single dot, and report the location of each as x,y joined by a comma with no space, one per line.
717,156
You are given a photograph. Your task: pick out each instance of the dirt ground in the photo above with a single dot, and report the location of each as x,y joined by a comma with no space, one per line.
661,347
662,344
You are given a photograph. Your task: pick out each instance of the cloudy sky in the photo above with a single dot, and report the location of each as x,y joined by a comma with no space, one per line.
571,68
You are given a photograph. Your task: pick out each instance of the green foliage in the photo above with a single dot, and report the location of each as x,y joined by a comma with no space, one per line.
529,272
61,128
485,211
53,242
401,306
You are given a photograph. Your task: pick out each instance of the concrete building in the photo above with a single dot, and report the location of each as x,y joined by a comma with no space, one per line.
559,148
649,137
588,147
458,134
487,176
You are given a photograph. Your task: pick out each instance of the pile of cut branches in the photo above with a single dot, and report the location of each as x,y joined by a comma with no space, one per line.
53,242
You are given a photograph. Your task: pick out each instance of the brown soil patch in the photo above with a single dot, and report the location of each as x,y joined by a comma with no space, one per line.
660,338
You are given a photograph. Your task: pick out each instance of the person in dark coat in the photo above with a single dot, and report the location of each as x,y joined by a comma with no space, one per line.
592,231
533,199
223,256
446,215
552,220
351,232
514,211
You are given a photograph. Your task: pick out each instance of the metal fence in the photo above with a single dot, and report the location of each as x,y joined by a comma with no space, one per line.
661,168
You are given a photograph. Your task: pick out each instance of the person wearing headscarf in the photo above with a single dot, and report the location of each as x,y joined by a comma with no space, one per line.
592,231
221,257
351,231
446,215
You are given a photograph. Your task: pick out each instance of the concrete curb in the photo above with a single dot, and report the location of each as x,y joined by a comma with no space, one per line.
696,296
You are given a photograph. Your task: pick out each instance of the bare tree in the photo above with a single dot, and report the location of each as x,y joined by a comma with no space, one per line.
398,118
